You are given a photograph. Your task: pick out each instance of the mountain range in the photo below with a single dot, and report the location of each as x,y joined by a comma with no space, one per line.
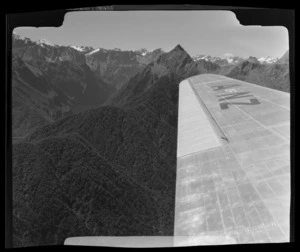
265,71
50,81
232,59
95,137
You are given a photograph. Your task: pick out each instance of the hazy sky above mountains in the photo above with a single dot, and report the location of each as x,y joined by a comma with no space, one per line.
214,33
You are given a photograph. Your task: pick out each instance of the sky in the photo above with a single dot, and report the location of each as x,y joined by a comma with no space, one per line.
215,33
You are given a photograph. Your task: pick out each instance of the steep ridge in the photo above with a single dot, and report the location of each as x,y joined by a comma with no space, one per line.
207,66
80,174
144,57
48,82
116,67
35,101
64,66
176,64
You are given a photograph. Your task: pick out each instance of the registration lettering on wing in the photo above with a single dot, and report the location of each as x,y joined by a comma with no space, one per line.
230,94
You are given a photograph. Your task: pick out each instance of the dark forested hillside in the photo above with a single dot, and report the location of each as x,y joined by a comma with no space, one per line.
105,171
65,188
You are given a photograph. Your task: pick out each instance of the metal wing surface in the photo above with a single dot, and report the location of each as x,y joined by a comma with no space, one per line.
233,163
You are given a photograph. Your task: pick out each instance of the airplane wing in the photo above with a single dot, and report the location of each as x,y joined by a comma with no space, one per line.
233,163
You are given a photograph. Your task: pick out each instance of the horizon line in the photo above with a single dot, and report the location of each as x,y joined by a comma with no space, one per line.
149,50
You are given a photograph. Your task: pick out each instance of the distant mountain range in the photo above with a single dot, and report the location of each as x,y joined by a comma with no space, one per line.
265,71
232,59
95,137
218,60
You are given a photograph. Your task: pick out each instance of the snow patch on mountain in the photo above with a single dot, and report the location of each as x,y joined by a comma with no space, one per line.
230,60
202,57
142,51
78,48
92,52
267,60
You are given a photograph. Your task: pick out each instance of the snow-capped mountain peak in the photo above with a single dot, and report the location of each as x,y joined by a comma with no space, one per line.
230,59
218,60
267,60
83,49
234,59
202,57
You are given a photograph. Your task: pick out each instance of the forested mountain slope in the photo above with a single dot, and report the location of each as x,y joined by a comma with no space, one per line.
105,171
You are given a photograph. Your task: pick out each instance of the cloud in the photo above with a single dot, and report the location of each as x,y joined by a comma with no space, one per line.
227,55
